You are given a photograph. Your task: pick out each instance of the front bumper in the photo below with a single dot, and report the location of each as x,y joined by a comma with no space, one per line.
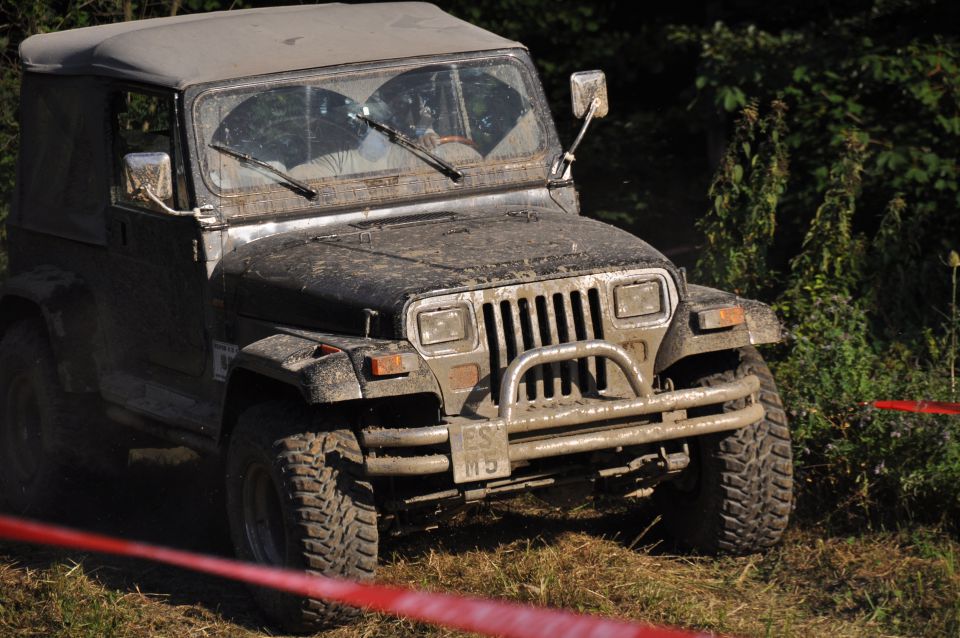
478,450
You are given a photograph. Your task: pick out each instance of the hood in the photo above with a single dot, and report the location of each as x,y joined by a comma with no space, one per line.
328,282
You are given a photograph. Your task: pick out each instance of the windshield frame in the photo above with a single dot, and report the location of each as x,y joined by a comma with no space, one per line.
271,199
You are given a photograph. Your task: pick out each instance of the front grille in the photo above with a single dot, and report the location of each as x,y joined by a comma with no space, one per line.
516,325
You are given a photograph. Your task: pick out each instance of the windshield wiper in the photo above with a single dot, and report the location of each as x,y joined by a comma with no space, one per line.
402,140
291,182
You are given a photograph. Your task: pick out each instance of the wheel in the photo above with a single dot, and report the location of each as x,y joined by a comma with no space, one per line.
737,494
295,498
456,139
33,422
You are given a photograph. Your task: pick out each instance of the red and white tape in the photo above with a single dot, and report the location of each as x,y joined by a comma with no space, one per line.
491,618
925,407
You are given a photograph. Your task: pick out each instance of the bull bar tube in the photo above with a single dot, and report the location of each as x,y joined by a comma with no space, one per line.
509,421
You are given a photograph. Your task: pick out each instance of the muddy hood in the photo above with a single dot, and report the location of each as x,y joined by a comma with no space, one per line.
328,281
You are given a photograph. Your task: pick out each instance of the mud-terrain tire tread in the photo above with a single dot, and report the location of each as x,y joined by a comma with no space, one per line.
25,342
327,503
746,475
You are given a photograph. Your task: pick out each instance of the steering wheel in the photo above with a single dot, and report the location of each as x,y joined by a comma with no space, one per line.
457,139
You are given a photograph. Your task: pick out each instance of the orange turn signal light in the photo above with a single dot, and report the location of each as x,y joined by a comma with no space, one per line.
720,318
385,365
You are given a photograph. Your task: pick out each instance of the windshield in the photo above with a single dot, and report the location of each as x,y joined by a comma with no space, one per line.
470,113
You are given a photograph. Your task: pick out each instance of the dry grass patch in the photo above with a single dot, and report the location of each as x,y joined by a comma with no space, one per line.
66,601
904,583
876,585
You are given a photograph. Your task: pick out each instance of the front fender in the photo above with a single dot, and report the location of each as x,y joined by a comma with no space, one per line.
685,338
70,314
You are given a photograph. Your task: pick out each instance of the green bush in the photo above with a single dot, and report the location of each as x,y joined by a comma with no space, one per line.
874,464
859,265
853,461
749,182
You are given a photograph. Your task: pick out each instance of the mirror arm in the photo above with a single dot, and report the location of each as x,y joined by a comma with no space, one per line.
196,212
159,202
594,105
565,161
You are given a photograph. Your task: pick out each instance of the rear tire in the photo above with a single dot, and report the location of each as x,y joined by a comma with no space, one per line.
737,494
33,422
296,498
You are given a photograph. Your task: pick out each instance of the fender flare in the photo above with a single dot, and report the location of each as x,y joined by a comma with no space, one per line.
684,338
324,377
70,314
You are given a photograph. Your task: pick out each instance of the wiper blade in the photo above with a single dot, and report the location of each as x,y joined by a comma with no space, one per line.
402,140
292,183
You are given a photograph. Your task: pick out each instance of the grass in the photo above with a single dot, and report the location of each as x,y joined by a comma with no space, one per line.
67,601
594,560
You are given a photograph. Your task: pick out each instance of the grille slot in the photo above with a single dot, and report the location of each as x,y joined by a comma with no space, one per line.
517,325
595,314
563,332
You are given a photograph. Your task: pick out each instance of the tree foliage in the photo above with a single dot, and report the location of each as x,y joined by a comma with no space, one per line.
885,71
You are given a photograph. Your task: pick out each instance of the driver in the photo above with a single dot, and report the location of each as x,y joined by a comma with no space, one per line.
413,117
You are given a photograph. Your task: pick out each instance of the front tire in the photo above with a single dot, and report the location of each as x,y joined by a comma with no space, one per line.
737,495
296,498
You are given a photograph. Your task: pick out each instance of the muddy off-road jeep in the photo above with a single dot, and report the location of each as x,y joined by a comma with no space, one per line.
341,248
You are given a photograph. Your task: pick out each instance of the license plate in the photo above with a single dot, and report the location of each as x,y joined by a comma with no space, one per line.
479,451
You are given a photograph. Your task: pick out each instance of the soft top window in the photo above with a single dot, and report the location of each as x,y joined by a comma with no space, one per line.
63,184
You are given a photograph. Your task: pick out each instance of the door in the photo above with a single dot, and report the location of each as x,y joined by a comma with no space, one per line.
157,278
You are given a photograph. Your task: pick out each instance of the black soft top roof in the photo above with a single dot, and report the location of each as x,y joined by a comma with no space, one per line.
223,45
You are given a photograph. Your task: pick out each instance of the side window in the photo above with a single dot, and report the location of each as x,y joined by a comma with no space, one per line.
144,123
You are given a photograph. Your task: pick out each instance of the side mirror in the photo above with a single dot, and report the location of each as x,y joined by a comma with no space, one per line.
147,177
585,86
588,94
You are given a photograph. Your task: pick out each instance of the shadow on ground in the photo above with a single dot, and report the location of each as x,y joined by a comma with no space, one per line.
173,499
493,525
168,498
